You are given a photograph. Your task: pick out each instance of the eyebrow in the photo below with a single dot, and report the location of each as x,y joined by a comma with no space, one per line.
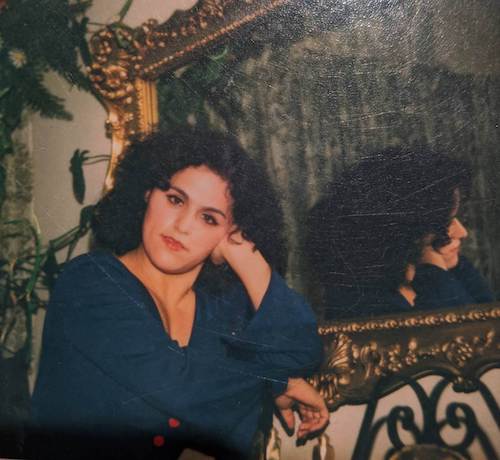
206,208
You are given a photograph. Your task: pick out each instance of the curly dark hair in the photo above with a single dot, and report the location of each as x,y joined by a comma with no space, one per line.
150,163
375,219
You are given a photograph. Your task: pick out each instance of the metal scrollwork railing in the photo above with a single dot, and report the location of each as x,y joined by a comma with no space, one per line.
458,416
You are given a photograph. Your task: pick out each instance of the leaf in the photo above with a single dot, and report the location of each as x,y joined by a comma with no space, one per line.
122,39
124,10
76,168
50,267
39,98
5,140
84,226
4,91
2,185
80,7
86,215
83,44
38,261
223,54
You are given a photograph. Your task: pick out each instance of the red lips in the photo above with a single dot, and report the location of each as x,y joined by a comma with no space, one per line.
172,243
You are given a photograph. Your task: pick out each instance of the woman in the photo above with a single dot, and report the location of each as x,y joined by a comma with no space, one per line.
150,347
387,219
443,276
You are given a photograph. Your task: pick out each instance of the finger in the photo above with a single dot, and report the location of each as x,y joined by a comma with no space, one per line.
309,414
306,419
304,411
319,423
236,236
288,418
304,428
311,426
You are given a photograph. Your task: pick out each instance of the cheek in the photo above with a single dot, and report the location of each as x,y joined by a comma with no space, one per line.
209,240
147,225
448,250
155,221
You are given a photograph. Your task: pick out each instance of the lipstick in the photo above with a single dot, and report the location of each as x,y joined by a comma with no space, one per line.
172,243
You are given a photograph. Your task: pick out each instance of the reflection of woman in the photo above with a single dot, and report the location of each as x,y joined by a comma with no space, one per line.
386,218
443,276
141,354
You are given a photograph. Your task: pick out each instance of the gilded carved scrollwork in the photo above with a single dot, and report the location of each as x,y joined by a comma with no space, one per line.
126,62
359,354
112,76
209,22
457,316
114,54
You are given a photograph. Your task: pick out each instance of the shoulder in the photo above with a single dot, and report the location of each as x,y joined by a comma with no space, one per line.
464,266
88,262
89,273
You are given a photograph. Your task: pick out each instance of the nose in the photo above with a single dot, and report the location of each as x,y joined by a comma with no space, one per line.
457,230
183,222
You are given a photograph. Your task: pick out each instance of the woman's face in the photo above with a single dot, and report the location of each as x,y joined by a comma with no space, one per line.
184,224
456,232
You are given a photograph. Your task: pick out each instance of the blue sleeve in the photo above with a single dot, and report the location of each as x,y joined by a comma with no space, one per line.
472,281
436,288
282,334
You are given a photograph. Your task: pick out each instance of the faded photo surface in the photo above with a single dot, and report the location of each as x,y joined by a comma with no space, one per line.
371,216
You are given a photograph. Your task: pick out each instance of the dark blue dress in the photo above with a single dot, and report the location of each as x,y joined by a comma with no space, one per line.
462,285
112,383
434,288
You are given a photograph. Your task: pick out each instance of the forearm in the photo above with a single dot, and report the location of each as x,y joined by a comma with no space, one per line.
252,269
295,387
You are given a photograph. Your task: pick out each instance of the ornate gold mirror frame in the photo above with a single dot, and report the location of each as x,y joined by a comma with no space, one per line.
460,344
127,62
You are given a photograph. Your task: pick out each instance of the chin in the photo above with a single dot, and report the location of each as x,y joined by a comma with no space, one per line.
168,265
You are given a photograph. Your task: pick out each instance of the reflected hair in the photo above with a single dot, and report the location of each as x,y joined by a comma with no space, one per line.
151,162
374,220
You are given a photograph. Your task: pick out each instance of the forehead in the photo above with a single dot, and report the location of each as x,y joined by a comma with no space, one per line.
203,187
456,202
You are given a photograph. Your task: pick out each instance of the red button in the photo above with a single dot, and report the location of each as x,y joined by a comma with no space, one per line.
173,423
158,440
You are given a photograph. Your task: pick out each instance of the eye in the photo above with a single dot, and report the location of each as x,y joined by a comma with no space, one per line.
209,219
174,199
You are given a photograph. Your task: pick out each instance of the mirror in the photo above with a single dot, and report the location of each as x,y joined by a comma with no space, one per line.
310,88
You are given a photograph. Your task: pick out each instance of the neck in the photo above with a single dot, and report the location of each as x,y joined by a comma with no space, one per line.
169,289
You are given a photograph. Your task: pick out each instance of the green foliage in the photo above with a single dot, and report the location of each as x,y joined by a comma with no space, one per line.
124,9
2,183
78,160
27,273
50,34
187,97
76,168
37,36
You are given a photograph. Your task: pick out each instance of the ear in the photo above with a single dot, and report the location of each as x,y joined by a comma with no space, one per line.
147,195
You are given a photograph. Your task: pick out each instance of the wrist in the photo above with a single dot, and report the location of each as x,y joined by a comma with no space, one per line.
248,262
250,267
293,386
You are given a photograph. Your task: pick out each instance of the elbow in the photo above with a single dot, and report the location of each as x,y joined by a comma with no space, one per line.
315,354
308,358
